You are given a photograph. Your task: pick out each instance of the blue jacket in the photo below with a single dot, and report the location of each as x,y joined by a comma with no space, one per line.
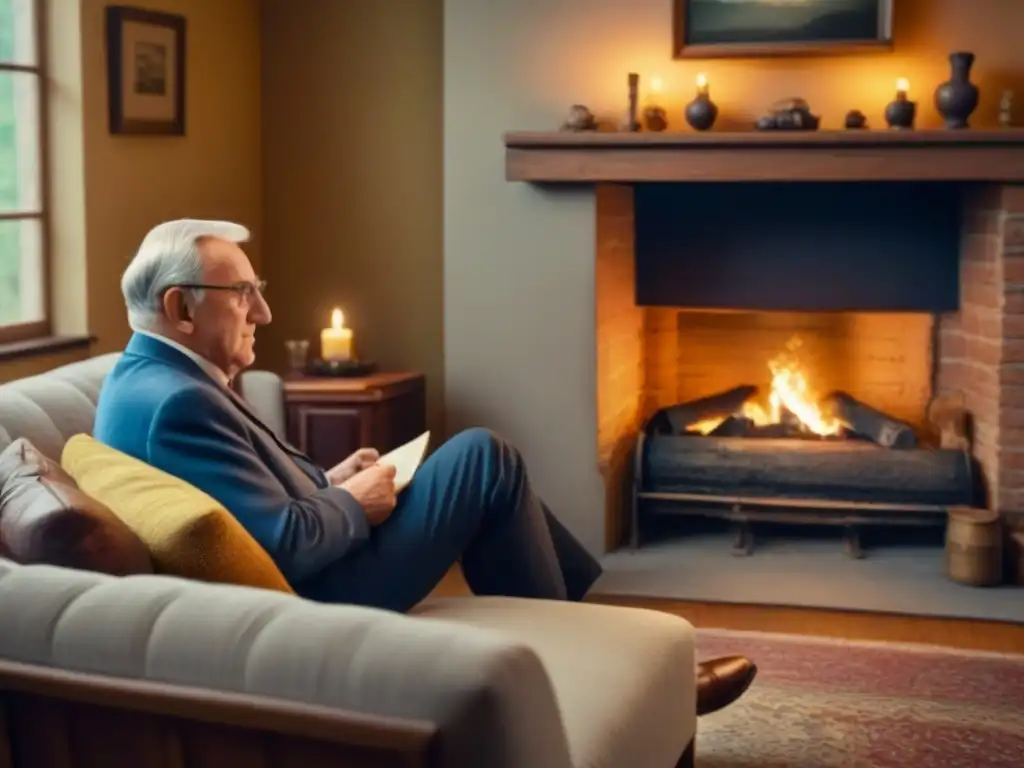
159,406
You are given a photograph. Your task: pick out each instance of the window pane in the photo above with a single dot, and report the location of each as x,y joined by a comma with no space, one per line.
21,271
19,142
18,32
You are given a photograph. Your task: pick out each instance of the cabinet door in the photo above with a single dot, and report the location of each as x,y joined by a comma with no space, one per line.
328,433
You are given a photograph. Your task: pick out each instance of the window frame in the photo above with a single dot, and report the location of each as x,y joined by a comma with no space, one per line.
13,333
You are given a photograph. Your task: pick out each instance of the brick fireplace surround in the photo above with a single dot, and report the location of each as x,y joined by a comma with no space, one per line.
648,358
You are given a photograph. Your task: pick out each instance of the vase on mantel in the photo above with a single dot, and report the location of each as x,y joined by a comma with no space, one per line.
957,98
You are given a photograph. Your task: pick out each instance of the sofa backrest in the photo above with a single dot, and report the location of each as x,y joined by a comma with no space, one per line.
51,407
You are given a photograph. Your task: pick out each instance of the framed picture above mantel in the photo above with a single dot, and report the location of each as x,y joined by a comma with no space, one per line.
145,71
758,28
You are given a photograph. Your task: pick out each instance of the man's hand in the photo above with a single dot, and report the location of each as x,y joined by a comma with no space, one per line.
362,459
374,489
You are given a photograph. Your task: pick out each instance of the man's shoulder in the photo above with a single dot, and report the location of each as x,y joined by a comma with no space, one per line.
143,389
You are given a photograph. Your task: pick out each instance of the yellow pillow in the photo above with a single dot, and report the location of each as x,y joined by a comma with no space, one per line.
187,532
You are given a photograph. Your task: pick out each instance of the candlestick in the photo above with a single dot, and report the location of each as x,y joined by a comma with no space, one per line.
336,341
655,117
900,112
633,83
701,113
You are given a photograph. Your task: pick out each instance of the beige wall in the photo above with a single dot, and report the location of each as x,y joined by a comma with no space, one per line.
353,178
109,190
519,260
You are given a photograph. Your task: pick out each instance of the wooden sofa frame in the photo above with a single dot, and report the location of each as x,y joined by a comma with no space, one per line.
54,718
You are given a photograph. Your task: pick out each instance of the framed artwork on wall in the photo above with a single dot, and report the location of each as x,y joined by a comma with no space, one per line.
145,71
755,28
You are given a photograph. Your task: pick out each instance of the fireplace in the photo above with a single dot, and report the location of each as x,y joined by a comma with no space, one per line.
803,318
946,368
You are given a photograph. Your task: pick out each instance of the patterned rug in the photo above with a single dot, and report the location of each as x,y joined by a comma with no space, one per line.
821,703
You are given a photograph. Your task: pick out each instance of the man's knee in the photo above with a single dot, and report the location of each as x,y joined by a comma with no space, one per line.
479,439
485,448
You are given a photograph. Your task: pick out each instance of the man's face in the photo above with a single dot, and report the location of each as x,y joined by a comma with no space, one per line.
223,327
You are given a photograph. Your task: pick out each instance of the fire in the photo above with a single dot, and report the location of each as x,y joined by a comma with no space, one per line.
790,394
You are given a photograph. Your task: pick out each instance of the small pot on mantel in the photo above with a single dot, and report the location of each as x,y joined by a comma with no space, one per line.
957,98
701,113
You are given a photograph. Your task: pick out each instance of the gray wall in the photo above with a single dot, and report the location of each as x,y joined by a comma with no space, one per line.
519,261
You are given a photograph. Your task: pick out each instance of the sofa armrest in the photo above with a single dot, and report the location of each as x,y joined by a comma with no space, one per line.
490,698
264,392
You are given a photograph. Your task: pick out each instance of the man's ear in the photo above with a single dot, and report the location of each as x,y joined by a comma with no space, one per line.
178,309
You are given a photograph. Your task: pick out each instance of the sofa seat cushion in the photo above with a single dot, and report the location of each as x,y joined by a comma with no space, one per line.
188,533
489,696
46,518
624,678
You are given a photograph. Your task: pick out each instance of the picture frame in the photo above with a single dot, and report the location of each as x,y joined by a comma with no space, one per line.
145,71
762,28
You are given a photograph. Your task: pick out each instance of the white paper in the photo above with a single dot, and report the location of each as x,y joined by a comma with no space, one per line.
406,459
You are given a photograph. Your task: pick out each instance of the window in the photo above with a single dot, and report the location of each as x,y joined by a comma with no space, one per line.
23,270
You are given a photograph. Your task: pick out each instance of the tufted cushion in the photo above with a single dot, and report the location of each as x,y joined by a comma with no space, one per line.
51,407
46,518
489,694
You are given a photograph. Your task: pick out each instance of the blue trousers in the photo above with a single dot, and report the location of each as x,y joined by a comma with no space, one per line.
470,502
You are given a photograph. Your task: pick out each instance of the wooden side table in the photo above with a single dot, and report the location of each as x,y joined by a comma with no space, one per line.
330,418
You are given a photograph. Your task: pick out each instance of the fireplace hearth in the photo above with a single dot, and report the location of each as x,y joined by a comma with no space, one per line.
789,455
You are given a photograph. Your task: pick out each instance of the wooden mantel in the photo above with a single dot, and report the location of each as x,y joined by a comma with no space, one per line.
879,155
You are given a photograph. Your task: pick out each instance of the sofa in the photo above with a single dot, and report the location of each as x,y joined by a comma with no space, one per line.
155,669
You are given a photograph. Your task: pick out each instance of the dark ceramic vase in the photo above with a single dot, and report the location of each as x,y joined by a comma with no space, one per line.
701,113
957,98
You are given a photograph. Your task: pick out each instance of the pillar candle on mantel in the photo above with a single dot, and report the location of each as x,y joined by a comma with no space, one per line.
336,341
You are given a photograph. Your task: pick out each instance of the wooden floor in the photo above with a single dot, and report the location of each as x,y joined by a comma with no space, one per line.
954,633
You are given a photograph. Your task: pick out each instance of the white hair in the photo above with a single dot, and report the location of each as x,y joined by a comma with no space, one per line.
168,256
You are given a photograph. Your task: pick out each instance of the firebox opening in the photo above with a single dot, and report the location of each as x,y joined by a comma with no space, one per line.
820,418
790,374
892,247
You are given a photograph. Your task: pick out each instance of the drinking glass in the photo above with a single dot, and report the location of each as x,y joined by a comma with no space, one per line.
298,352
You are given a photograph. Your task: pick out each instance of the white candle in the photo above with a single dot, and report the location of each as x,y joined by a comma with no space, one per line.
702,85
336,341
902,87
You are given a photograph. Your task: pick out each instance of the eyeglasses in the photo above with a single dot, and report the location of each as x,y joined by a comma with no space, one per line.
244,289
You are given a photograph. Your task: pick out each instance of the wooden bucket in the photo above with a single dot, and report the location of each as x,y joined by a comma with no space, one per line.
974,546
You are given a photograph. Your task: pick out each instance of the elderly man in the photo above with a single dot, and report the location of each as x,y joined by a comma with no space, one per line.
340,535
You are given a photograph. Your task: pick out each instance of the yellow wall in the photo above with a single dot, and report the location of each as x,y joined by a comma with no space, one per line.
109,190
353,180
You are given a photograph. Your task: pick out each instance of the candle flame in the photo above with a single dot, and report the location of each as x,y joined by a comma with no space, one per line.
655,85
337,320
702,80
903,84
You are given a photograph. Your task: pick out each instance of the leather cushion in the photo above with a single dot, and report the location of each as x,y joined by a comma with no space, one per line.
46,518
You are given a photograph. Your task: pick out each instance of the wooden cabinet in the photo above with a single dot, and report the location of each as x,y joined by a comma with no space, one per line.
330,418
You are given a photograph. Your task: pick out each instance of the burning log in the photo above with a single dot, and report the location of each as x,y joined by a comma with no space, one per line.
870,422
733,426
841,470
681,418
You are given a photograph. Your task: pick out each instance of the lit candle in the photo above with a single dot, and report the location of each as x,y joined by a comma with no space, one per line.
702,84
654,96
336,341
902,87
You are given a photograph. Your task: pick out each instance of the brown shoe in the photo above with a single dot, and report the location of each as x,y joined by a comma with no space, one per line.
721,681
